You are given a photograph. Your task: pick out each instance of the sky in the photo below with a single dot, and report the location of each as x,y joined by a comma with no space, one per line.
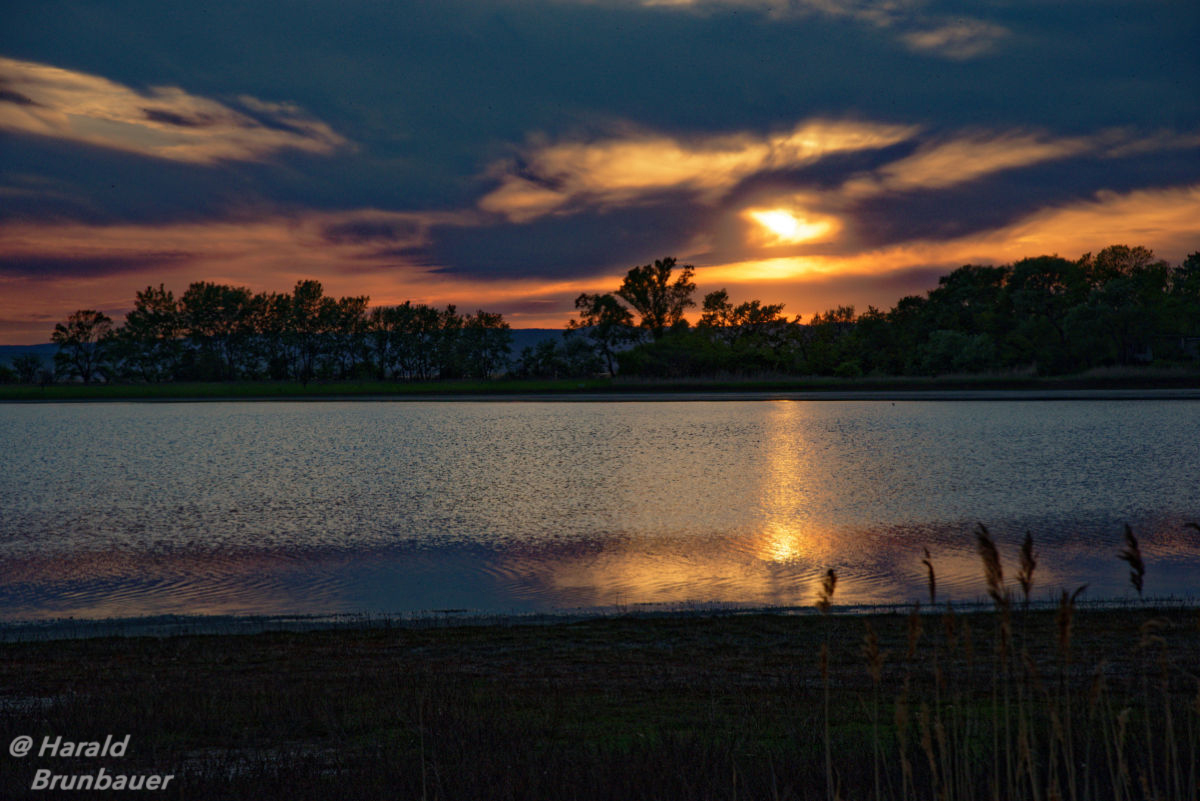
511,154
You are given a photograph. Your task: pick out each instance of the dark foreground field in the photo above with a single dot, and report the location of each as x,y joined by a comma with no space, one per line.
695,707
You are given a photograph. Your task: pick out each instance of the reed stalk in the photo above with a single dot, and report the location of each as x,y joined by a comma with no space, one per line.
824,603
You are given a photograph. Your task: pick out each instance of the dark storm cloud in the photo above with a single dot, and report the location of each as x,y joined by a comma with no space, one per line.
49,267
359,231
415,109
569,246
441,86
171,118
1004,198
8,96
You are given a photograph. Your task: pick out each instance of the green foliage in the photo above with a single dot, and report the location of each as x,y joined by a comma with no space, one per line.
848,369
956,352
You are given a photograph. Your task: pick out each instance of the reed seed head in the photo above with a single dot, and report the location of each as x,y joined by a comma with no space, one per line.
828,583
928,562
992,569
1149,638
1133,555
1064,616
1028,565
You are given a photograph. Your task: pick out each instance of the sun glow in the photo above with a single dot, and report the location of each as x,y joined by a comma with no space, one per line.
785,227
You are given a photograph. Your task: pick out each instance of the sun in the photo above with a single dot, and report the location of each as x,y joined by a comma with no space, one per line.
786,227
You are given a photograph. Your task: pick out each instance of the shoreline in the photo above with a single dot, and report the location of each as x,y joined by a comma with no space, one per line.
1159,385
171,626
669,396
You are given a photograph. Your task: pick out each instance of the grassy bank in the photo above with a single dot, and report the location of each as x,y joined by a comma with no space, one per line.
1123,379
938,705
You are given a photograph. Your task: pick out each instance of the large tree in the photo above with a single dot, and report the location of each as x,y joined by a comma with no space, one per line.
81,341
730,323
148,345
220,321
607,323
485,342
660,301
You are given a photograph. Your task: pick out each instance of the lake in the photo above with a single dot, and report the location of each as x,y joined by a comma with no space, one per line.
137,509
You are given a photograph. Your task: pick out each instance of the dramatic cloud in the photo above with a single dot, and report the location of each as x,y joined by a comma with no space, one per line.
966,158
1168,218
162,122
958,38
49,269
509,154
379,254
625,169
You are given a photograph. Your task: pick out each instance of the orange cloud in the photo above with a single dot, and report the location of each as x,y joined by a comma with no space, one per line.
163,122
362,252
635,166
1166,219
943,164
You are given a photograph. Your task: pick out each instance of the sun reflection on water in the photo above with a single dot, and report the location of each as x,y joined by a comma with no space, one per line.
305,508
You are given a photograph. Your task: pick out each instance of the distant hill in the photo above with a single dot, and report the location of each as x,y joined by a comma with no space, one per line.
46,351
528,337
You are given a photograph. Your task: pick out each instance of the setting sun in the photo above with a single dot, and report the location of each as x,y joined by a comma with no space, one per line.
784,227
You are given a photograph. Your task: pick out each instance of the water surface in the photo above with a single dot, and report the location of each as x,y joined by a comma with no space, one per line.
122,509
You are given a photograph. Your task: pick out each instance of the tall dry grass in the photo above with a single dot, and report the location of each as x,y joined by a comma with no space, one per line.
1017,702
1048,729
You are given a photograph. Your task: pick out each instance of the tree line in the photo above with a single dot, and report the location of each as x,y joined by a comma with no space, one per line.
216,332
1121,306
1048,314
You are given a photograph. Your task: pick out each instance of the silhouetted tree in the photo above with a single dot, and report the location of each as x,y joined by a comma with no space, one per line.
484,344
219,320
730,323
1129,308
81,341
606,323
660,301
307,320
148,345
1184,304
349,350
1043,290
26,367
1115,261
